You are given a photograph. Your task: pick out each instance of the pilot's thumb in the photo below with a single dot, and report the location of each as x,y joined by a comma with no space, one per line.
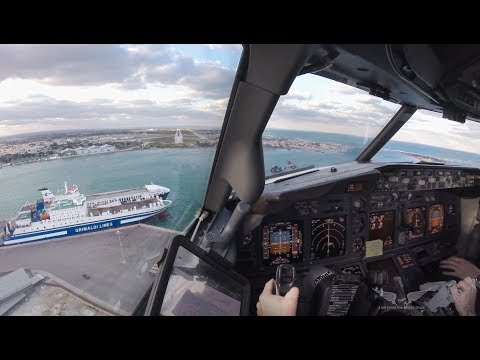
291,301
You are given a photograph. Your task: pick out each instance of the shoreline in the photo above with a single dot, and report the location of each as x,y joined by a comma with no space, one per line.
104,153
288,145
421,157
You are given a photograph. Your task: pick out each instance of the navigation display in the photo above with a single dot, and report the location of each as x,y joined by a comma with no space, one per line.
436,216
328,237
382,226
282,243
415,221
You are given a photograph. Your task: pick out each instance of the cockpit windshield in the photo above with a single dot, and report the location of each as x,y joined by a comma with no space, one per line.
426,137
322,122
105,154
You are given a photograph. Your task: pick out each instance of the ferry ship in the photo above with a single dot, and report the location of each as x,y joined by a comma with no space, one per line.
69,212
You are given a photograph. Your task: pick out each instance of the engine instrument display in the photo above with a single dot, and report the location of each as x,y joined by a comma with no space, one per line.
328,237
282,243
382,226
415,221
436,216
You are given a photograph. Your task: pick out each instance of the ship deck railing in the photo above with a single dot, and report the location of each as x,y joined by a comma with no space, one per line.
118,209
124,193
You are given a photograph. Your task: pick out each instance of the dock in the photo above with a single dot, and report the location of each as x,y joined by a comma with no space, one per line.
108,268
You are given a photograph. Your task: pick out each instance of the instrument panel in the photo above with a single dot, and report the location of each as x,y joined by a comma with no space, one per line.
326,220
334,228
339,228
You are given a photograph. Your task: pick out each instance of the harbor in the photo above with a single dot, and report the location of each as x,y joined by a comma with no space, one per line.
108,269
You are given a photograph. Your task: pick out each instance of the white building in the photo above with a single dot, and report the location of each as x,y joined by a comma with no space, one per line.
178,137
107,148
81,151
95,149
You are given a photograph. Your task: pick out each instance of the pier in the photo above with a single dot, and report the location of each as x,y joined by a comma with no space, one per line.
109,268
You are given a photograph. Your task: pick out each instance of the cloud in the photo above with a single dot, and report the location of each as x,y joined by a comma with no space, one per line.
431,129
129,67
66,64
40,113
231,47
298,95
205,79
329,114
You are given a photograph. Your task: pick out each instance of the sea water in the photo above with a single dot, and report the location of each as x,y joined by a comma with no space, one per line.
184,171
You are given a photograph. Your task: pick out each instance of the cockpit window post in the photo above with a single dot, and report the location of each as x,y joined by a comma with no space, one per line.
395,124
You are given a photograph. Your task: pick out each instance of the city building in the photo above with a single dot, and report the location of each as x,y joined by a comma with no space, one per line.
81,151
107,148
67,152
94,149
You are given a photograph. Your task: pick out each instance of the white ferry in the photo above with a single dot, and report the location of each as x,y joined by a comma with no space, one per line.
69,212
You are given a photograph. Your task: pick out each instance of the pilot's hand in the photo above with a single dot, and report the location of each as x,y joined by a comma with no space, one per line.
464,294
274,305
459,267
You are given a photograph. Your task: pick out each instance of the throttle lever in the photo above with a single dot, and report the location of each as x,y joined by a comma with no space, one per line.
284,279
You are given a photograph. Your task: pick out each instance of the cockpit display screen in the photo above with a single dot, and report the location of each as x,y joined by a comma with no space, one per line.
415,220
382,226
282,243
436,216
355,187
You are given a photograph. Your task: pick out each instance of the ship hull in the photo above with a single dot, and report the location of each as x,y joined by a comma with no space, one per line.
87,226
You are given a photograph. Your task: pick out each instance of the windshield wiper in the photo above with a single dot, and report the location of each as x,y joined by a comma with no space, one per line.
283,173
430,162
295,175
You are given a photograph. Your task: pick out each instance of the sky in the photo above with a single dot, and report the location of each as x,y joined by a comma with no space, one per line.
59,87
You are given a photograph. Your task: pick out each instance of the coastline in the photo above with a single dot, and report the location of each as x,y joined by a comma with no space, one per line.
426,158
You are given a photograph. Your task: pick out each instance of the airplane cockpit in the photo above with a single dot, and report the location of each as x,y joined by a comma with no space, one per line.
358,238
